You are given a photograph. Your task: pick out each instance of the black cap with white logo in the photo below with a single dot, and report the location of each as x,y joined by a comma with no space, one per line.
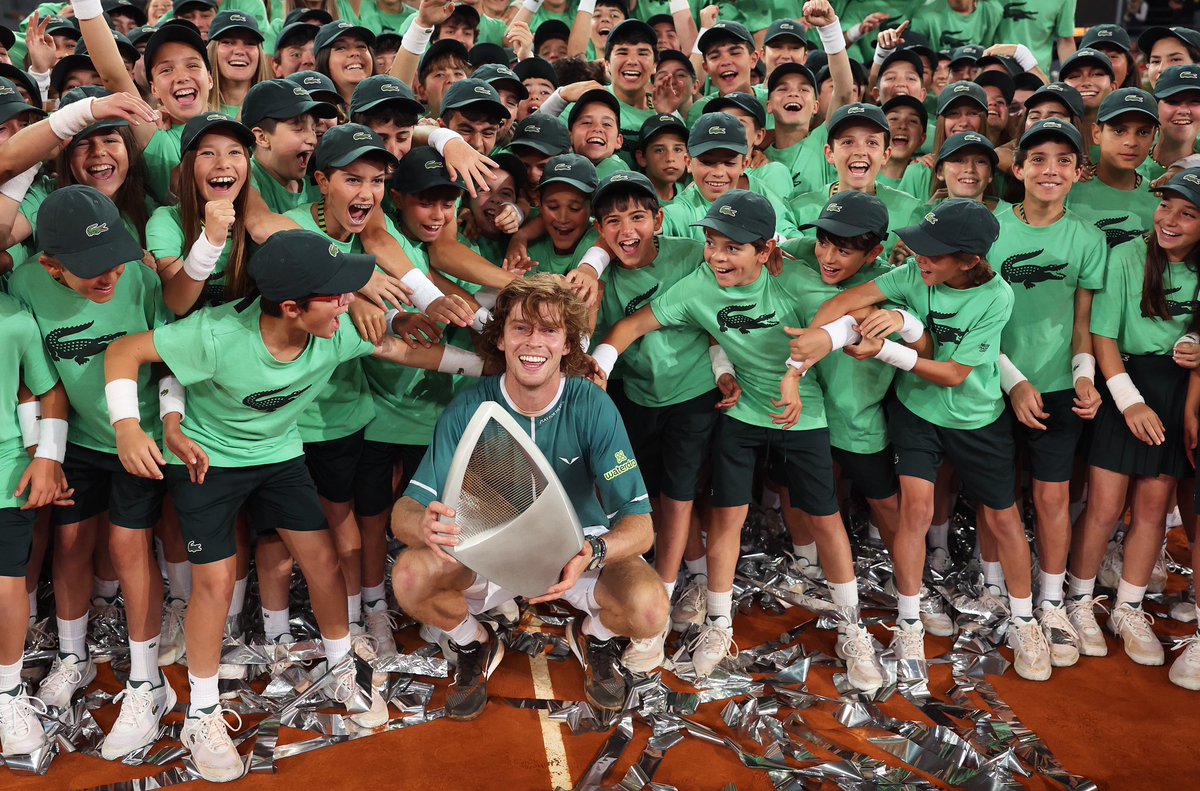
82,228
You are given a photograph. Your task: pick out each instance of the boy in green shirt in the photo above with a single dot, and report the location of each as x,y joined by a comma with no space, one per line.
595,126
473,109
662,155
792,102
955,23
283,117
536,139
770,176
388,108
566,201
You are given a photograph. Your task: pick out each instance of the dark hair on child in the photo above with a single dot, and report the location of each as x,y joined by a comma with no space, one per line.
446,59
1022,154
477,115
861,243
576,69
623,199
275,309
384,114
1154,296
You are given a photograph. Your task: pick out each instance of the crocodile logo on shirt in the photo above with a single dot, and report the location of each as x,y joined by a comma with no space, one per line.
635,304
1117,236
1185,308
268,401
727,320
943,332
80,350
951,39
1029,275
1017,12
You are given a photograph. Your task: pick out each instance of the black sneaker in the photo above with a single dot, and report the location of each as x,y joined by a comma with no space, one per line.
467,694
603,682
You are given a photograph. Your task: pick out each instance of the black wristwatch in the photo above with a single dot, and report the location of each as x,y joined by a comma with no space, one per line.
599,552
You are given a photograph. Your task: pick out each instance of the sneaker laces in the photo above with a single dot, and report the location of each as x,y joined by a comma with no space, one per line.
1029,636
469,660
1190,646
1056,618
910,640
13,711
377,620
214,730
60,677
714,639
365,646
691,598
993,602
857,644
1136,619
136,701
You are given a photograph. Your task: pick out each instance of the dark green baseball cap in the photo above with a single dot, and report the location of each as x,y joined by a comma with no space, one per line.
179,6
961,91
83,229
624,179
1059,92
969,52
472,92
175,31
335,30
234,22
656,125
140,34
295,264
1085,57
423,169
445,46
850,214
68,66
318,85
631,31
1128,100
1052,127
1185,184
125,8
784,69
309,15
12,103
786,28
904,55
62,26
550,30
595,95
717,132
858,113
383,89
542,132
911,102
1151,36
1000,80
743,216
347,143
21,79
964,140
82,92
498,75
724,31
957,225
200,125
295,33
572,170
1108,33
1177,80
281,100
746,102
536,68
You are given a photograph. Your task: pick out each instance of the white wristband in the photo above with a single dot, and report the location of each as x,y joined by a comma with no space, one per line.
680,7
532,6
416,38
854,33
517,209
87,9
696,46
72,119
597,258
171,397
1191,337
913,329
482,317
460,362
486,297
832,39
27,416
438,138
585,343
15,188
605,356
1025,58
52,439
1124,392
721,364
797,364
1083,366
202,258
841,332
42,78
554,104
122,398
389,319
587,7
897,355
882,53
424,292
1010,376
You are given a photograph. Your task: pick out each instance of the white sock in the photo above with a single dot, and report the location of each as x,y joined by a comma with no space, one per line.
335,650
33,605
1130,594
908,607
670,586
467,632
1051,585
1077,588
205,693
593,627
806,551
275,622
143,659
873,532
238,603
1021,607
106,588
845,594
10,676
697,567
354,607
179,580
373,594
720,605
72,636
938,536
993,574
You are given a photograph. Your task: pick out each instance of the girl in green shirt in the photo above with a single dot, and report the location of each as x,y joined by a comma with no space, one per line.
962,107
235,47
346,58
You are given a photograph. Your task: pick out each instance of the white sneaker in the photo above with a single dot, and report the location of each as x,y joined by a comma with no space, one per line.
343,689
207,738
1174,520
713,644
362,644
1060,636
67,675
432,634
938,560
692,605
805,568
1184,610
1185,670
646,656
854,645
1081,612
1109,575
933,614
908,641
381,627
172,640
20,729
1132,625
1158,575
1031,652
231,671
142,708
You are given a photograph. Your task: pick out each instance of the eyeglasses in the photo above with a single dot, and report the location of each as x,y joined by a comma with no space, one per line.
341,300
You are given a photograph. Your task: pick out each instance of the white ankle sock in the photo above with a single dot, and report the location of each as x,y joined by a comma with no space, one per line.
10,676
699,566
908,608
275,622
993,574
1130,594
845,594
72,636
938,536
373,594
593,627
1020,607
1051,586
469,631
1077,587
720,605
670,586
238,602
335,650
179,580
205,693
143,659
106,588
806,551
354,607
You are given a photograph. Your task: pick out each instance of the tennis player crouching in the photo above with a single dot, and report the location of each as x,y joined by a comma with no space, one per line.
535,337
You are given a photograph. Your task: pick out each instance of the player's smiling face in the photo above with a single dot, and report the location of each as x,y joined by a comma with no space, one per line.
1180,115
949,269
729,65
351,194
838,262
907,131
717,172
566,210
858,152
967,174
350,61
426,214
628,229
1092,82
793,102
734,263
180,81
631,65
222,166
1050,168
237,57
533,348
101,161
1177,226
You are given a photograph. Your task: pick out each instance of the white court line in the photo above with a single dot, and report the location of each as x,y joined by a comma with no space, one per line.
556,750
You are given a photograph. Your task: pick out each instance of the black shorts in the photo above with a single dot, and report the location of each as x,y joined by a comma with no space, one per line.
333,464
278,496
375,486
873,475
671,443
1052,452
1164,386
985,458
102,484
16,540
807,467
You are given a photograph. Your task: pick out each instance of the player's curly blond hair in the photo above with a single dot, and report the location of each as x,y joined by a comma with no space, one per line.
549,299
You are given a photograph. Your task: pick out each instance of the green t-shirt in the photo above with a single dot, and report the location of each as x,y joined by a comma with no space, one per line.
343,405
76,332
492,250
23,360
857,389
164,239
946,28
1117,309
771,178
1123,215
903,210
966,325
669,366
853,12
162,156
1045,266
277,197
698,106
748,322
806,161
551,261
242,403
690,206
917,180
1037,24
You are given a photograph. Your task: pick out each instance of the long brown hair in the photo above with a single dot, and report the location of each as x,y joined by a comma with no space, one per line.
191,215
130,197
1154,295
323,64
216,99
540,298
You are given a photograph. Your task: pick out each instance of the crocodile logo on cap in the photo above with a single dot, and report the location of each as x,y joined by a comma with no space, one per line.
786,26
855,110
389,88
619,177
6,91
931,218
1187,75
971,137
433,164
1133,97
1103,34
334,251
298,91
482,90
562,167
728,211
532,129
716,130
833,208
312,80
236,18
1051,125
362,136
962,87
216,117
1192,178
